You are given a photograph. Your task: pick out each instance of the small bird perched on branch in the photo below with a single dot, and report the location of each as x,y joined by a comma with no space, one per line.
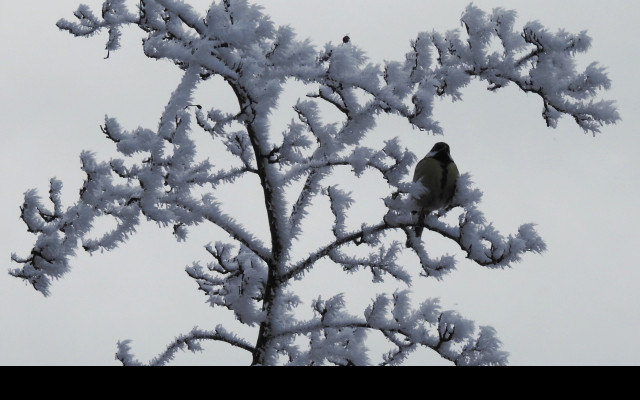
439,175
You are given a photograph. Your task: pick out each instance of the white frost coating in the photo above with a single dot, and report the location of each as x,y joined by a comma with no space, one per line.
239,282
158,174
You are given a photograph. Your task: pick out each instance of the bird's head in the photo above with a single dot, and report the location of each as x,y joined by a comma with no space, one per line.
440,148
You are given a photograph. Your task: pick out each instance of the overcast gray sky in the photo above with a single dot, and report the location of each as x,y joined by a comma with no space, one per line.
578,303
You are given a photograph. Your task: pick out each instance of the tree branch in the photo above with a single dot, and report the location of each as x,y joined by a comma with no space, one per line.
182,342
355,237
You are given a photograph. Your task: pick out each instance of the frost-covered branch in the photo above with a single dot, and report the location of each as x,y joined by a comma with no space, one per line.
480,240
57,232
333,331
190,341
239,283
551,73
384,261
114,14
366,235
534,59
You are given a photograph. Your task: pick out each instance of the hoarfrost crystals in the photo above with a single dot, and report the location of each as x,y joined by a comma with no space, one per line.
236,41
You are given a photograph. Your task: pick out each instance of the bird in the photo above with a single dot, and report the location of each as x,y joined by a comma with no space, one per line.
438,174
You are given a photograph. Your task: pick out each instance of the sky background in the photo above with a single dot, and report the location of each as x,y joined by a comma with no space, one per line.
576,304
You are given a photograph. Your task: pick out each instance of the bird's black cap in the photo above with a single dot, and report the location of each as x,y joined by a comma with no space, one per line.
440,146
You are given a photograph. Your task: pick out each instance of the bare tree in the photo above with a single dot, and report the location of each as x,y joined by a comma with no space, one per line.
170,185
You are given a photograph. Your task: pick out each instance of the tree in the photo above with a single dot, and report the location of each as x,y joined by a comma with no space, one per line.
171,185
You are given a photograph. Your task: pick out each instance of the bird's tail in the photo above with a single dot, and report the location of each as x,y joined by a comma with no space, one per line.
418,228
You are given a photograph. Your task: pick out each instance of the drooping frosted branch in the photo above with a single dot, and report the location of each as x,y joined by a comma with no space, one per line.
334,332
190,341
479,239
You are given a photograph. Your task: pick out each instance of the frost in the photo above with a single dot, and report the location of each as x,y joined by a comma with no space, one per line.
158,176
